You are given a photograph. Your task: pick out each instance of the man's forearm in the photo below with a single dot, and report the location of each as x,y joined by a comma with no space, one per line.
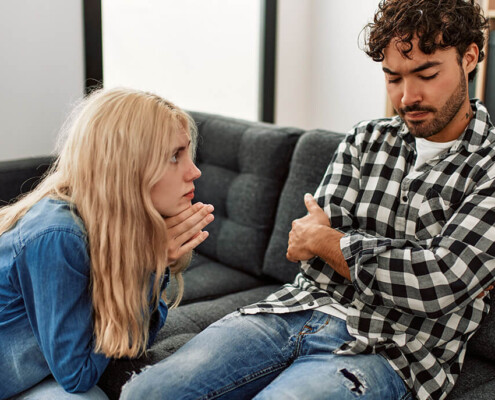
327,246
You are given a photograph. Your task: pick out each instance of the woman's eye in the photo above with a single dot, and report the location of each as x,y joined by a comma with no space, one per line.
174,158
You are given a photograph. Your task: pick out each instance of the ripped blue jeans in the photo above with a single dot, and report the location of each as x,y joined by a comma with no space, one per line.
269,356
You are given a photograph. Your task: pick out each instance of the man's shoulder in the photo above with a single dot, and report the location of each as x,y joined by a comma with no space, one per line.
381,124
376,131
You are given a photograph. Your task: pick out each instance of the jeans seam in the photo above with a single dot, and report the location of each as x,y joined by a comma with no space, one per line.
298,339
407,396
242,381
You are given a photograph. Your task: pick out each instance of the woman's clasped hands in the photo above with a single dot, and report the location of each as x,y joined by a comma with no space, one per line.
185,229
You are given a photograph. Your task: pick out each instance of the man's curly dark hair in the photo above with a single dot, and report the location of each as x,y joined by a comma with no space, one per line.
438,24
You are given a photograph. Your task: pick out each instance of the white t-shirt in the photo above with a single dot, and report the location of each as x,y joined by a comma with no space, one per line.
427,150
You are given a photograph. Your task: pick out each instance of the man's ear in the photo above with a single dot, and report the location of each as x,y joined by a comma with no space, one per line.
470,58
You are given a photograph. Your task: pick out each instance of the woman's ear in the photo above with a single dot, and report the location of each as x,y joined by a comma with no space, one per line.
470,58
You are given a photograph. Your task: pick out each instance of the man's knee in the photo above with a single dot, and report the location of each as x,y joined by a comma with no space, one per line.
353,381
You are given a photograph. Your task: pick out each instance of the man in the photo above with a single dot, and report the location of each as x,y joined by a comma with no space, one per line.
400,256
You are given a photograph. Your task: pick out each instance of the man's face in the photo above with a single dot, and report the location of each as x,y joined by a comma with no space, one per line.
428,91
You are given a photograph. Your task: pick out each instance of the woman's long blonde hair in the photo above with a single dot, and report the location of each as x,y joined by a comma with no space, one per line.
116,147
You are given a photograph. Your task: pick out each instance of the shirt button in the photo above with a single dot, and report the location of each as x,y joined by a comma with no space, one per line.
404,199
311,303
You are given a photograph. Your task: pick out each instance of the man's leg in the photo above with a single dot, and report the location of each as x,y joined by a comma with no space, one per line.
317,373
235,357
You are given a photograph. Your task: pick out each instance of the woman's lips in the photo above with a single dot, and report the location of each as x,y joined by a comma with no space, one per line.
189,195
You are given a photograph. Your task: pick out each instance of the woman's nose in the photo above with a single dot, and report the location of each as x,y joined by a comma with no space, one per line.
193,172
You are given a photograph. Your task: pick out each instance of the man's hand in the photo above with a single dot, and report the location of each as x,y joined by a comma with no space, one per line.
304,231
313,236
485,292
185,229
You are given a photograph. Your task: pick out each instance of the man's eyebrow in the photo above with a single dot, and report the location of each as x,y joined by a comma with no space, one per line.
422,67
389,71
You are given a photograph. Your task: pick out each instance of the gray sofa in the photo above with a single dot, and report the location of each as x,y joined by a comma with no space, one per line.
255,175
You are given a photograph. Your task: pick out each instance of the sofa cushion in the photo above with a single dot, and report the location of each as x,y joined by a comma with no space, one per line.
311,157
477,392
482,344
207,279
244,165
476,382
21,176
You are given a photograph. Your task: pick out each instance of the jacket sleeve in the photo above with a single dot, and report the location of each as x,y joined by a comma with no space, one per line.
53,272
158,316
337,194
423,277
339,188
432,277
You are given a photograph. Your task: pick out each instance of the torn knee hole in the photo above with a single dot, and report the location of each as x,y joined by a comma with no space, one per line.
353,378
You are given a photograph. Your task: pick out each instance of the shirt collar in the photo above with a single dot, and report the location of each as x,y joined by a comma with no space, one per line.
479,133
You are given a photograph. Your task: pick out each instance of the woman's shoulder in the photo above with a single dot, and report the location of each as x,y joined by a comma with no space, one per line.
51,215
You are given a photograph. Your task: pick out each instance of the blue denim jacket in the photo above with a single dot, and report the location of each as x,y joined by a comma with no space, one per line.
45,305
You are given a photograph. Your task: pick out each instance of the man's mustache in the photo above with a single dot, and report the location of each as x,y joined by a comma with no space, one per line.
416,108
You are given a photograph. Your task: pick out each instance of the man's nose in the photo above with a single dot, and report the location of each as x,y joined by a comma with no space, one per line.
411,93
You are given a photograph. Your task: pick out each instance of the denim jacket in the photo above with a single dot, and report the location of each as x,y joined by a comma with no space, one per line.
45,304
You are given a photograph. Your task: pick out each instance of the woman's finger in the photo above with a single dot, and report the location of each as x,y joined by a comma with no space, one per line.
191,221
192,244
184,215
193,230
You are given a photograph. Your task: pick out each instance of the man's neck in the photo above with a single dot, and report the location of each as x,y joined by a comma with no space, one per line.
457,126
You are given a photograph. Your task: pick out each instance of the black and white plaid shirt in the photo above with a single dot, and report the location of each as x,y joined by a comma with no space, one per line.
420,245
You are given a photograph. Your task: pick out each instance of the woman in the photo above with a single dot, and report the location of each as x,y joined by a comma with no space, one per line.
86,256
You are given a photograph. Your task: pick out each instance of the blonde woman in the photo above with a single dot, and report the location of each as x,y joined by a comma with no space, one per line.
86,256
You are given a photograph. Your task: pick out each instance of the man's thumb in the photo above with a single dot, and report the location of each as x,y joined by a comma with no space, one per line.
310,201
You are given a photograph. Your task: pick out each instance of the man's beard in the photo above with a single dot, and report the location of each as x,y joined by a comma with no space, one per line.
425,129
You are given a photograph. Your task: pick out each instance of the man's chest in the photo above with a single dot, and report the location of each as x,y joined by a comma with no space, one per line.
396,201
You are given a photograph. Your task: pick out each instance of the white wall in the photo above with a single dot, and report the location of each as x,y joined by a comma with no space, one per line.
323,79
294,76
41,70
201,55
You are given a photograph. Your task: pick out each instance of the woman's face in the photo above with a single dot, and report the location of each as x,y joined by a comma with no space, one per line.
174,191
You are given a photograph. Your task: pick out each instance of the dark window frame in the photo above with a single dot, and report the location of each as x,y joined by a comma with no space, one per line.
269,50
93,45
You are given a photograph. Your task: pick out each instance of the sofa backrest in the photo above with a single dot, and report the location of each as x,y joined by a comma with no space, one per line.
244,166
21,176
312,155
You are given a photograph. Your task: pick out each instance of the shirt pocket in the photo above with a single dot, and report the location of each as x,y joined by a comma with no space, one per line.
433,214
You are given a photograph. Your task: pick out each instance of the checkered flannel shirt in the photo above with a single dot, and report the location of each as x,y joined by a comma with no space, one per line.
420,246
